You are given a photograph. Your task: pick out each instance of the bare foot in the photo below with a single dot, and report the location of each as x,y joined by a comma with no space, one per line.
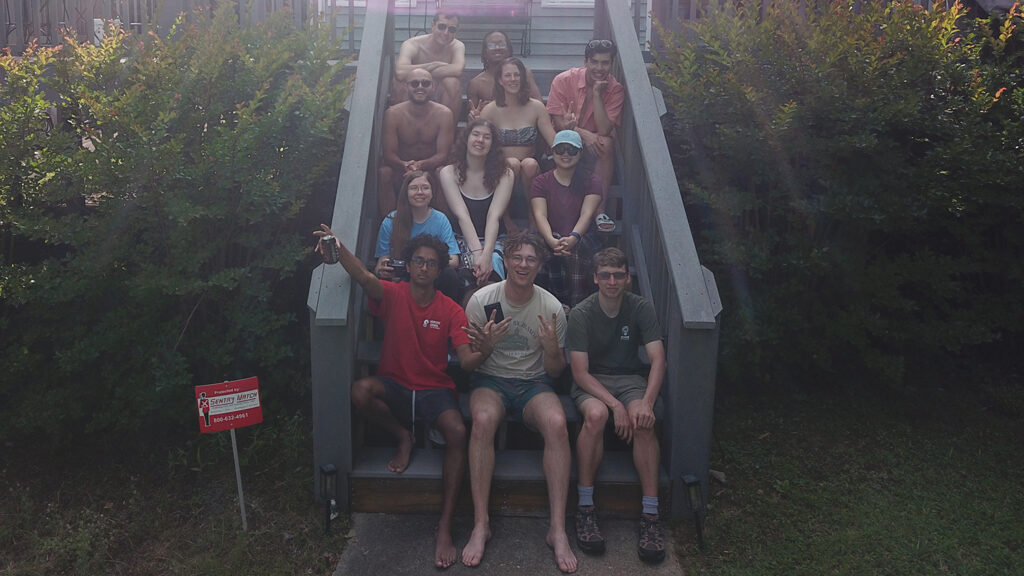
473,553
445,553
559,542
400,462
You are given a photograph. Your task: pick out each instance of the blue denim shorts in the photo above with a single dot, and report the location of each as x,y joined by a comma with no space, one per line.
515,393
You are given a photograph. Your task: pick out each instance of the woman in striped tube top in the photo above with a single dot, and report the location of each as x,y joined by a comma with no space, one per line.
520,119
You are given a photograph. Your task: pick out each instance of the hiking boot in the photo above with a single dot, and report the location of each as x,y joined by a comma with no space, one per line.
588,535
651,546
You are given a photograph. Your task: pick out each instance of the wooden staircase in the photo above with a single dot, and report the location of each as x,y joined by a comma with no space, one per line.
653,230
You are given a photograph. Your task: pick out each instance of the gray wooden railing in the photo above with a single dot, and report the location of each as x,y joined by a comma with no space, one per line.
334,303
684,292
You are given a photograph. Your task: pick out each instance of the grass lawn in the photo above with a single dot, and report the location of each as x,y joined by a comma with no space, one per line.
919,484
923,483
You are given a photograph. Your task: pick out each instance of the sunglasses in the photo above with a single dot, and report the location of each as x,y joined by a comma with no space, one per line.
600,44
607,275
447,27
418,83
496,45
566,149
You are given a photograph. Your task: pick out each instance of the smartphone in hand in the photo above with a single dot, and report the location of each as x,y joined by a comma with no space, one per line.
491,308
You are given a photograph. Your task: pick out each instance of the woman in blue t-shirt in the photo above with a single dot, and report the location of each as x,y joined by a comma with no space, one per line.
414,217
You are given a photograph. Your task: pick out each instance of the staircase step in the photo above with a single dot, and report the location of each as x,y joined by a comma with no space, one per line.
518,487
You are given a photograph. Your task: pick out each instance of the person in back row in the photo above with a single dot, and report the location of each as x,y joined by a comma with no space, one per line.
442,55
605,331
589,100
478,186
415,134
480,90
411,381
522,122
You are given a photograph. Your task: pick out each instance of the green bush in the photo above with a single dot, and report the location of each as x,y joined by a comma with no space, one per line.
158,236
855,178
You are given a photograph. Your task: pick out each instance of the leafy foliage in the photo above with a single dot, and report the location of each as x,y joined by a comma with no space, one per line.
856,176
150,240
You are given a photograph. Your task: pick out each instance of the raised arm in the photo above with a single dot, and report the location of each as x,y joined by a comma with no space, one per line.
552,335
370,283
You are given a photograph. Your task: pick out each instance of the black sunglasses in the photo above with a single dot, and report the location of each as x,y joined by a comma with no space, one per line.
447,27
418,83
566,149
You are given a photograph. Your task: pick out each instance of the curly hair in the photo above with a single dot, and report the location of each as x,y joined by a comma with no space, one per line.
483,45
494,163
430,241
524,91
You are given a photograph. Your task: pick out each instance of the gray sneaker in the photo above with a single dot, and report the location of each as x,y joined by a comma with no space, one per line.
651,546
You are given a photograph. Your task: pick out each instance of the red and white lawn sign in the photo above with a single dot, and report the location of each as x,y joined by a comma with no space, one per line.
227,406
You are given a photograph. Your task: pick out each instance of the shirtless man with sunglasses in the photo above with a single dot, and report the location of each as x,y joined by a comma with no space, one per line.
442,55
416,134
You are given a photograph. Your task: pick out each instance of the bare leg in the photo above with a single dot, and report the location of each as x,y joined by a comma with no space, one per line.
368,396
488,412
544,413
646,458
449,93
451,426
590,442
386,201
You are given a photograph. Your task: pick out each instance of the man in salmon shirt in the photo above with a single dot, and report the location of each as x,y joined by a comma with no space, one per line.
589,100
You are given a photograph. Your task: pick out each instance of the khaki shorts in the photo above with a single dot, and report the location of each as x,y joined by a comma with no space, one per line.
626,388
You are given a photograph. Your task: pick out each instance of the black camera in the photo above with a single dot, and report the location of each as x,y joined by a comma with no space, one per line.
398,269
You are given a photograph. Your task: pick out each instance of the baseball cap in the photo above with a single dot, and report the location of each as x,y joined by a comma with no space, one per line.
568,137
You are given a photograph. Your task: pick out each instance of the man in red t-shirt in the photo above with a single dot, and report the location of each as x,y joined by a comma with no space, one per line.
411,380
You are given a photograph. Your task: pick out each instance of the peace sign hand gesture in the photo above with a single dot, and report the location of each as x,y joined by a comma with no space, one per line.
474,111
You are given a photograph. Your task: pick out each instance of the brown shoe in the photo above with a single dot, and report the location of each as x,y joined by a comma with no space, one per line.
588,535
651,546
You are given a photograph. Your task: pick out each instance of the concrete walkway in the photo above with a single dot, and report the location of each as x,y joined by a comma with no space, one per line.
404,544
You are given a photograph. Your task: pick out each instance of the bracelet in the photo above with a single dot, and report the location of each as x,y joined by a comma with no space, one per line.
576,235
